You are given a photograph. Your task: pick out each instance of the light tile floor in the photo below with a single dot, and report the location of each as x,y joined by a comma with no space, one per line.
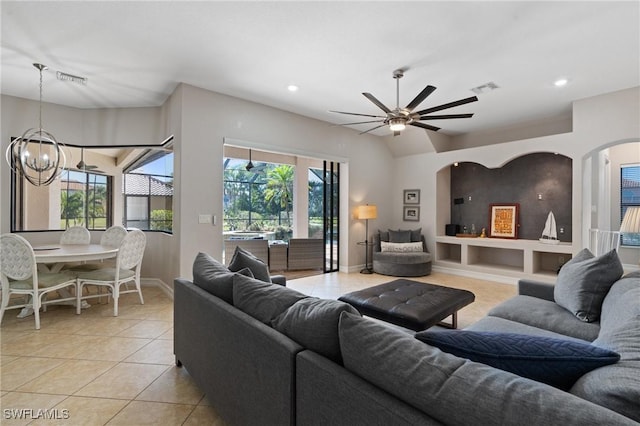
97,369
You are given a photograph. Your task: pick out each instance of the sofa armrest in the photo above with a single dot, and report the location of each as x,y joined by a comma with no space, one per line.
279,279
537,289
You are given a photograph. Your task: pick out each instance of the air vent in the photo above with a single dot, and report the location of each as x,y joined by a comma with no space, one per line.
70,77
487,87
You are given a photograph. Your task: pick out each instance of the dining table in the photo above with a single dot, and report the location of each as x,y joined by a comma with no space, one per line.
53,257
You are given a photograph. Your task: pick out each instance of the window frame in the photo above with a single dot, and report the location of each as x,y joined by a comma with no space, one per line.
624,205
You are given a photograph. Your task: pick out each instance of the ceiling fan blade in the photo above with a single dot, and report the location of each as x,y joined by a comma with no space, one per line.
449,105
425,126
421,97
377,102
355,113
359,122
373,128
445,116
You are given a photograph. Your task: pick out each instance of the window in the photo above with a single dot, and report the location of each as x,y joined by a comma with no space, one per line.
75,199
148,193
259,200
85,200
629,196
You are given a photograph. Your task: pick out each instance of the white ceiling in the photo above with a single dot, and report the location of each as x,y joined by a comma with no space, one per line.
135,53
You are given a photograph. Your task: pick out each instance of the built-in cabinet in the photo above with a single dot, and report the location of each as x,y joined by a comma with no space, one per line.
503,257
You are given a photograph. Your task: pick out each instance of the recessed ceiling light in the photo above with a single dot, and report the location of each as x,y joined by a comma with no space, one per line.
561,82
292,88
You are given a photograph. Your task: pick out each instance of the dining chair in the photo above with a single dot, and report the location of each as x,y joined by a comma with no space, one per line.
602,241
127,269
113,236
76,235
20,276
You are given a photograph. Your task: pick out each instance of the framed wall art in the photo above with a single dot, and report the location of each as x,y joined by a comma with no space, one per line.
411,196
504,220
411,213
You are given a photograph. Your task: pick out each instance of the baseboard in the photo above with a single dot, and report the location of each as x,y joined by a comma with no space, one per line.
478,275
156,282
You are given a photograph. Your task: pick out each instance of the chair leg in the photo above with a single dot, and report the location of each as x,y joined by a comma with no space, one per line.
35,300
116,296
3,305
79,286
139,291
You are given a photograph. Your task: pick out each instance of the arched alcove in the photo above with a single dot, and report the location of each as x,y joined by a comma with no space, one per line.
538,182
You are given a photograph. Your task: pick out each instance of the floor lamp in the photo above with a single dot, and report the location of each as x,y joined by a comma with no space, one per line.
631,222
367,212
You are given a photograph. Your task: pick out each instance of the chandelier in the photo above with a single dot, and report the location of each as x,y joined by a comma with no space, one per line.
36,154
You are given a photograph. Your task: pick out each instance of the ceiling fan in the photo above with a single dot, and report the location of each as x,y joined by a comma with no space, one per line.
397,119
250,167
82,166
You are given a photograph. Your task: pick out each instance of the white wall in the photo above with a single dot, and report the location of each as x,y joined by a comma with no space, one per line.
600,121
208,118
199,120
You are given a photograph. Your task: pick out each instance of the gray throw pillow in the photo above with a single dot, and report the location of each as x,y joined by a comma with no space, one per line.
213,277
245,259
399,236
263,301
313,323
384,235
416,235
583,283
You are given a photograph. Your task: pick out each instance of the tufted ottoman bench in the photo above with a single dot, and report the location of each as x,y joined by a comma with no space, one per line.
410,304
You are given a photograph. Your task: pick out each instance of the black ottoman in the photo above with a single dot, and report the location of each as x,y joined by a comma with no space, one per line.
410,304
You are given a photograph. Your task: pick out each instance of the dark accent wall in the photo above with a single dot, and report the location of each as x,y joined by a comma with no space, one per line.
519,181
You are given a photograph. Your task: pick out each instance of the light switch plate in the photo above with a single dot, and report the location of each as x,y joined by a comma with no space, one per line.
204,218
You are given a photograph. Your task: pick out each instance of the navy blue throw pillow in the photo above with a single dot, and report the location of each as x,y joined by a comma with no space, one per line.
556,362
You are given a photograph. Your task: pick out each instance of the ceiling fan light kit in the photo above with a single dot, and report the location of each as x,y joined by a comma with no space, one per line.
37,155
398,118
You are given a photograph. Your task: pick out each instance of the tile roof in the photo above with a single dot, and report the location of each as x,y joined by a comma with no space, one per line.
145,185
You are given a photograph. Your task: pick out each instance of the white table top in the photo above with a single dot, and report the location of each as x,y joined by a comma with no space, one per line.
54,253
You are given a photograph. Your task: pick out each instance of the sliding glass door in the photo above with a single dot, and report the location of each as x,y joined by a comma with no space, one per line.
331,204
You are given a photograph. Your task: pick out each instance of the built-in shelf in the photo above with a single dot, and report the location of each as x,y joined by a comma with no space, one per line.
503,257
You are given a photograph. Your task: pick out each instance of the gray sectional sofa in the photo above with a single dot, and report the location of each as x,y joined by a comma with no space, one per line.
273,356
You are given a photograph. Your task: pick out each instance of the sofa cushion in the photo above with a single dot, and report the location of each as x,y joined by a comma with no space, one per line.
618,386
416,235
399,236
556,362
546,315
263,301
313,323
383,235
502,325
244,259
402,258
400,247
584,281
212,276
620,318
453,390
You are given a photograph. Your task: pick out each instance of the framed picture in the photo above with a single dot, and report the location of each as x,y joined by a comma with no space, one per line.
411,213
504,220
411,196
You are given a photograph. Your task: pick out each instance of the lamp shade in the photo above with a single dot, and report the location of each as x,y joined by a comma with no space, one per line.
631,221
367,212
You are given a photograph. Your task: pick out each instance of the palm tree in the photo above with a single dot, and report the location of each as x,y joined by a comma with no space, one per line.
280,187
